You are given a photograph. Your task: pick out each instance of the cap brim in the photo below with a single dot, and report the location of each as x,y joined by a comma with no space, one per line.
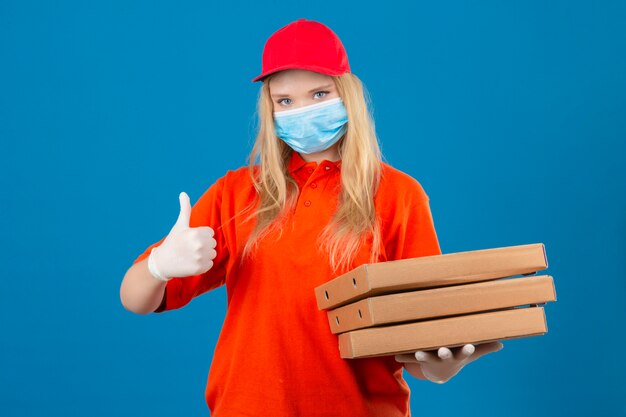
313,68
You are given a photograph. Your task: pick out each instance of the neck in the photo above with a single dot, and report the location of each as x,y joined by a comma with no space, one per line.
330,154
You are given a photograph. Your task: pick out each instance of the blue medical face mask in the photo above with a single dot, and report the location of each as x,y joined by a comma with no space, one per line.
312,128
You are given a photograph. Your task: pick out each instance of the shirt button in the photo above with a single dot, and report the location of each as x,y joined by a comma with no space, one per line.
313,185
327,167
310,170
307,203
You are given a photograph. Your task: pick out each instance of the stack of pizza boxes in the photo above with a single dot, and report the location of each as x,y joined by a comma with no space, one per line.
424,303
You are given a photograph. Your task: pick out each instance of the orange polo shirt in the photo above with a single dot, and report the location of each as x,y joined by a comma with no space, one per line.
276,355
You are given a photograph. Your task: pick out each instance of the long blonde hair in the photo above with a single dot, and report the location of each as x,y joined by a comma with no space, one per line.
355,217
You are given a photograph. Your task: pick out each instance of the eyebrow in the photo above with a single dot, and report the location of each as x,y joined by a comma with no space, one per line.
310,91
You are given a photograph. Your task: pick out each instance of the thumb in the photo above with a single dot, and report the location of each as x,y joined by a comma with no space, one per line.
185,211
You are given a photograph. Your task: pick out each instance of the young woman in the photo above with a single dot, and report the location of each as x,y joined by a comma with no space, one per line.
318,203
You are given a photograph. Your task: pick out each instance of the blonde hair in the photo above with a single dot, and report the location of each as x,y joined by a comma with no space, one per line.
355,218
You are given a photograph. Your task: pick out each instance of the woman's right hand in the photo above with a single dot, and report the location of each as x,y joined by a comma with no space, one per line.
186,251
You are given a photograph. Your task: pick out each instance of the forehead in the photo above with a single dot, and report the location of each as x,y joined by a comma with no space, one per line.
296,80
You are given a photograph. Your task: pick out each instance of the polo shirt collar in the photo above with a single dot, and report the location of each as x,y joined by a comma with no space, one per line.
296,162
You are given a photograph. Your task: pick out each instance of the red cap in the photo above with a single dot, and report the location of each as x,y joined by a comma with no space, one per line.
304,44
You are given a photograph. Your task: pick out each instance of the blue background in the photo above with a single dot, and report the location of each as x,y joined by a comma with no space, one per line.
510,114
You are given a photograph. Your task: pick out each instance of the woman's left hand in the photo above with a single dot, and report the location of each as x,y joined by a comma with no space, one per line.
442,364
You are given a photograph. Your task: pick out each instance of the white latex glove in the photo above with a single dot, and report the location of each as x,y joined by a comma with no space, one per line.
186,251
439,367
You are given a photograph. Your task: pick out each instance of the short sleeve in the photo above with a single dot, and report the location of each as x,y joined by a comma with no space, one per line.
412,233
205,212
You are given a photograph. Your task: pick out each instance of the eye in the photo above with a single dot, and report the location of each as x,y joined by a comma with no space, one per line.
281,100
325,92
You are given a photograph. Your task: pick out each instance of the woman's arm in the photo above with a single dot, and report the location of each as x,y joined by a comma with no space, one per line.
141,292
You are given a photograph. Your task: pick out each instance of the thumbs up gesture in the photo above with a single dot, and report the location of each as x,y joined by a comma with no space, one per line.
186,251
